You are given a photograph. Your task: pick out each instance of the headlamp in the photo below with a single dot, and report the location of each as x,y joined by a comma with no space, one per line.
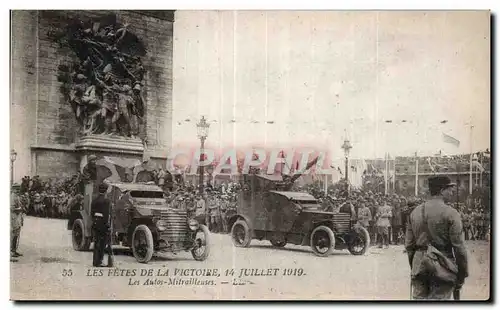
193,224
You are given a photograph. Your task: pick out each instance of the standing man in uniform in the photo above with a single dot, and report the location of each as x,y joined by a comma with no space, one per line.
397,221
16,222
364,215
224,202
437,224
100,211
200,209
384,215
213,209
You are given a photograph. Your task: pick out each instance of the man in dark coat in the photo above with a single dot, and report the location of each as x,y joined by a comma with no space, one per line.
397,220
437,224
100,211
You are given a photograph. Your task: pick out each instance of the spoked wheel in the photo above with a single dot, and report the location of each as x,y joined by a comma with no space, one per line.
240,233
201,244
80,242
360,241
142,244
322,241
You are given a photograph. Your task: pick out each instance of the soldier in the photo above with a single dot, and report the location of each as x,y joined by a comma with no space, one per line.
100,211
213,209
16,222
384,215
191,205
223,209
434,223
364,215
200,207
466,223
397,221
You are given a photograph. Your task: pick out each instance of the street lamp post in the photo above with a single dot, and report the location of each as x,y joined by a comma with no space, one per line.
202,127
13,156
346,147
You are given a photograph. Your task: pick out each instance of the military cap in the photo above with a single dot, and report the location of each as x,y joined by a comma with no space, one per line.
92,157
440,182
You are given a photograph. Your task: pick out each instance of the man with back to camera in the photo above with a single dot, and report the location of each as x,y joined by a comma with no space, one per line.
437,224
100,211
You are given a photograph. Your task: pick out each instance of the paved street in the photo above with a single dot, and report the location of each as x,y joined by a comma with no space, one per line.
46,245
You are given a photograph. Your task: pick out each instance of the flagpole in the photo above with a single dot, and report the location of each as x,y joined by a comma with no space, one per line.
386,174
470,164
394,177
416,175
481,172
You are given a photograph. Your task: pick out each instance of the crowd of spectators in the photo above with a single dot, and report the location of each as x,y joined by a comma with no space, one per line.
56,197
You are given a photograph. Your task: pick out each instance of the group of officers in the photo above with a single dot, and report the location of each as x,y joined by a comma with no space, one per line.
213,207
434,229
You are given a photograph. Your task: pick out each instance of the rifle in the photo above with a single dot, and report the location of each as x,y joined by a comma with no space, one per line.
110,239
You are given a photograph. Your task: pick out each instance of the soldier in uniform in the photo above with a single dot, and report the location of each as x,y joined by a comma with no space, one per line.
364,215
213,209
16,222
100,211
397,221
384,215
444,232
222,211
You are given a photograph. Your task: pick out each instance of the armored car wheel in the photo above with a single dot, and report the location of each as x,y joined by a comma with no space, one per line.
240,233
201,244
80,242
142,244
322,241
360,241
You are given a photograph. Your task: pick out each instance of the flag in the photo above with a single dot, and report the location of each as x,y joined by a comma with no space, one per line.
451,140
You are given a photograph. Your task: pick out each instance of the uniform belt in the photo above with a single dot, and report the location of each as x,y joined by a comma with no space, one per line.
421,248
424,248
97,214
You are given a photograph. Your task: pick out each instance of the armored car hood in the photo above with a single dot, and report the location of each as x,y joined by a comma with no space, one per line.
296,196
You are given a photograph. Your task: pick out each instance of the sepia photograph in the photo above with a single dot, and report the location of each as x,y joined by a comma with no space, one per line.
332,155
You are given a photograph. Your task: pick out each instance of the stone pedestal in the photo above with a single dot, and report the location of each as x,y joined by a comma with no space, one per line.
109,145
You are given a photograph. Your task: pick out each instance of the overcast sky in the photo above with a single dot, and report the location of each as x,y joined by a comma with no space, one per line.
315,75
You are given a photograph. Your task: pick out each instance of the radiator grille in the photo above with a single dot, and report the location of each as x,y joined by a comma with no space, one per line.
341,222
177,226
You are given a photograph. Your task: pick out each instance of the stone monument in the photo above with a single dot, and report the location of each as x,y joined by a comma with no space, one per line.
102,86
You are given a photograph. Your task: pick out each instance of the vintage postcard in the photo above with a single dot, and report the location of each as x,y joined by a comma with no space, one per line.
250,155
